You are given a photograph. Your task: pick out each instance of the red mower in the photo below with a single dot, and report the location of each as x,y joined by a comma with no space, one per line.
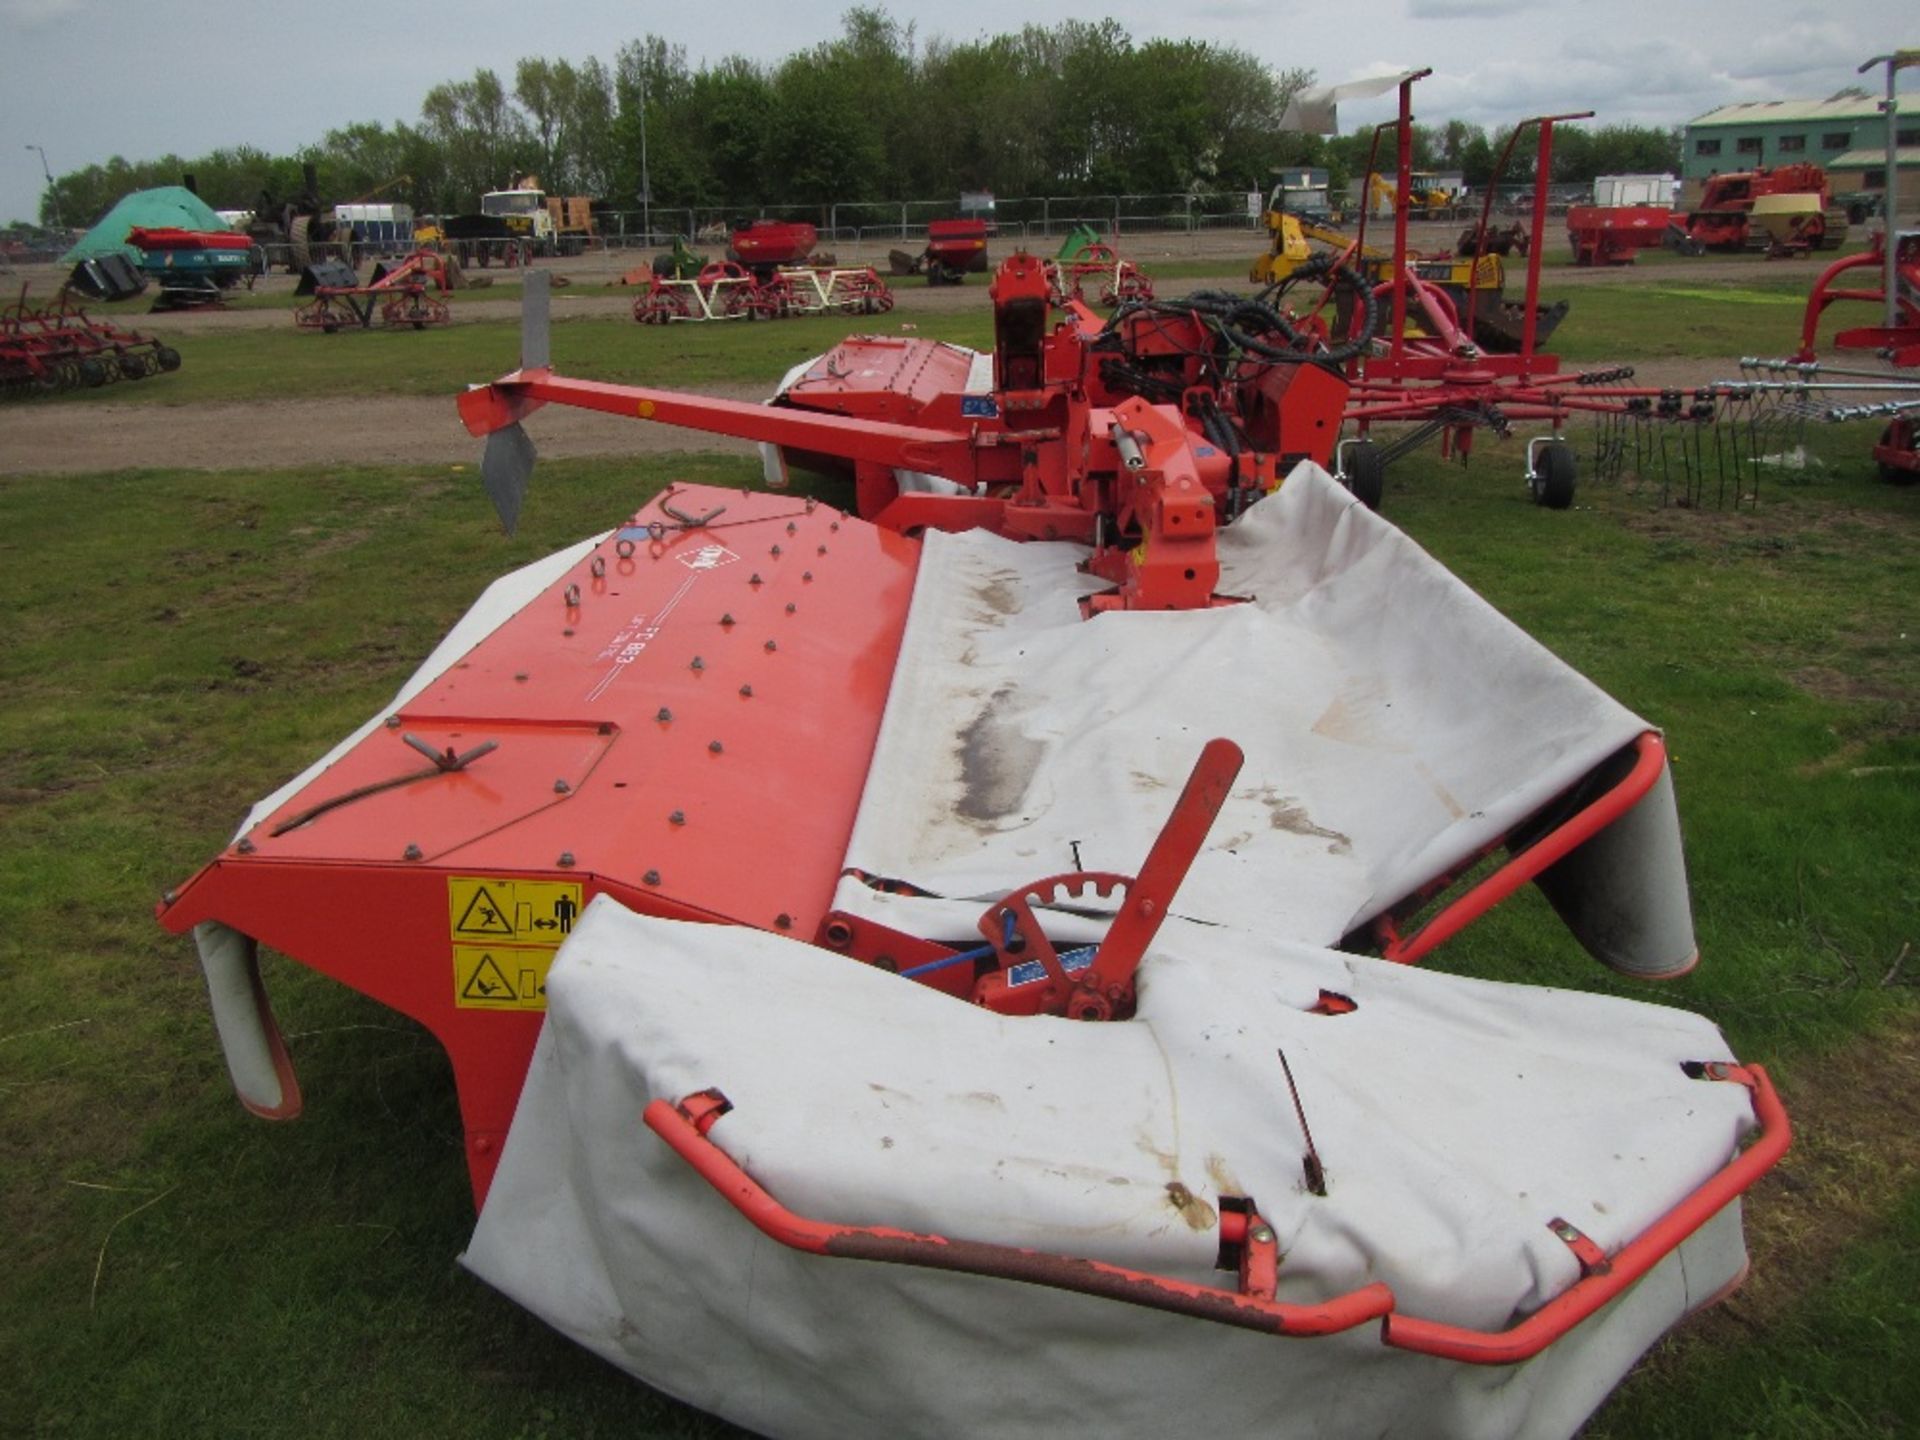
982,922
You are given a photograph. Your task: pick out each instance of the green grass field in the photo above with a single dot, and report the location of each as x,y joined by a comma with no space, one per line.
181,642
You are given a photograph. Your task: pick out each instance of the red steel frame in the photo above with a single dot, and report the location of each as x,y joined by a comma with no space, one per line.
1053,457
401,291
621,766
1898,339
1902,339
728,290
1119,279
51,346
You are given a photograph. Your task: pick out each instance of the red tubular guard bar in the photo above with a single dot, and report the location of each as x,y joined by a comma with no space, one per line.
684,1128
1636,1258
681,1127
1650,757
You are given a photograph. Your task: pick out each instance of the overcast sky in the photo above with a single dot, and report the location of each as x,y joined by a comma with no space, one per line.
89,79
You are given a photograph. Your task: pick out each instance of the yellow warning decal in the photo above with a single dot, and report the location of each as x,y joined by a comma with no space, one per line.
495,978
489,910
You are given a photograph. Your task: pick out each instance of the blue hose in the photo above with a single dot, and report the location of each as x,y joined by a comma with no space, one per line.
944,961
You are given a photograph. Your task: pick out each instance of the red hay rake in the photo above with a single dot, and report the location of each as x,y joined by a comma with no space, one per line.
1891,394
1430,374
398,298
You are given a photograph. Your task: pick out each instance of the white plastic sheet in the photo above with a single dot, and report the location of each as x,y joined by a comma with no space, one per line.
1393,722
1455,1119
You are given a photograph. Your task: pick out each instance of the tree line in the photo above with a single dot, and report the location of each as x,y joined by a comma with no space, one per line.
875,113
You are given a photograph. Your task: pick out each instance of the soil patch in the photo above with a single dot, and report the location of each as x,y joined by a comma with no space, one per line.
1856,1151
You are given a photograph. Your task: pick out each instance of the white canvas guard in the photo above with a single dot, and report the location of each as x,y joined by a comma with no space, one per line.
1455,1118
1394,723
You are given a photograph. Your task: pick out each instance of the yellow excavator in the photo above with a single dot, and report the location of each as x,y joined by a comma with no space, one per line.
1429,196
1290,248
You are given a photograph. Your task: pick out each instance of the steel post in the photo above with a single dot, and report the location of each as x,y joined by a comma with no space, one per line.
1890,208
1402,203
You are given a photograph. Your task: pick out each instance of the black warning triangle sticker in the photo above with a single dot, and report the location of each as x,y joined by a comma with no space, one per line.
488,982
484,916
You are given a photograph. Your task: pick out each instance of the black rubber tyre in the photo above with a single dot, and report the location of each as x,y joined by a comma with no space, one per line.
299,247
1553,483
168,357
1366,474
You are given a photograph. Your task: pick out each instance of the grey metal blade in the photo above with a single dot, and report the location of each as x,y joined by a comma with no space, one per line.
505,468
536,327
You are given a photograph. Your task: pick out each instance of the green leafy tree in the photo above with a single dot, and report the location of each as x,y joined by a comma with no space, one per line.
652,87
875,113
734,105
819,149
539,85
485,139
588,127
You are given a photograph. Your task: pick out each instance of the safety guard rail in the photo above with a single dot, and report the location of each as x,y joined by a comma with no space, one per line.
1252,1305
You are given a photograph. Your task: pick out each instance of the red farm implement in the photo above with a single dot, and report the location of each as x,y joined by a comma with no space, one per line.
727,290
1855,393
764,246
1786,208
403,296
194,269
60,347
1614,234
910,769
954,250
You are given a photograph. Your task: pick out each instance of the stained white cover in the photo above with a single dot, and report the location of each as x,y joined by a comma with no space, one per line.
1394,723
1455,1117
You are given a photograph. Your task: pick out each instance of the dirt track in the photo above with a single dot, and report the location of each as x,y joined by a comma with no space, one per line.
383,431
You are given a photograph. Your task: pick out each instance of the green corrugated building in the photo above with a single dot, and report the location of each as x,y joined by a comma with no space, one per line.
1847,138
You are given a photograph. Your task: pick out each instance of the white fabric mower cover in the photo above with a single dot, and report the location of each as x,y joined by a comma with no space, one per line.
1455,1118
1393,721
